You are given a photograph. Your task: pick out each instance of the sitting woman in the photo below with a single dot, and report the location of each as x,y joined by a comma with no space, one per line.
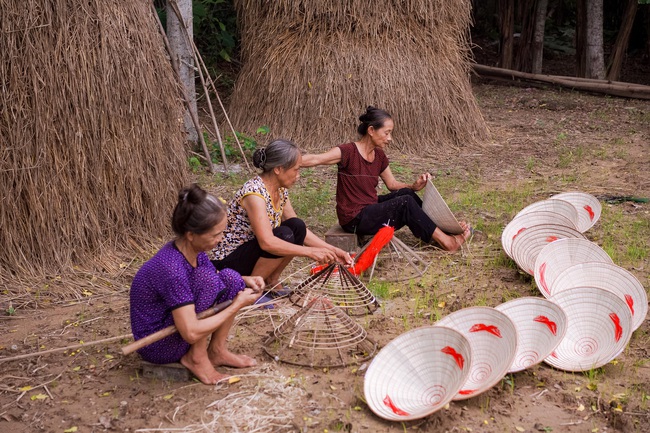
179,282
264,233
360,164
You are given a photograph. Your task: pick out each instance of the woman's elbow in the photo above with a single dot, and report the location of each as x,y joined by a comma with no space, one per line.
191,337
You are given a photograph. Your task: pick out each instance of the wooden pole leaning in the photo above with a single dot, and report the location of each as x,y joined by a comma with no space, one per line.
166,332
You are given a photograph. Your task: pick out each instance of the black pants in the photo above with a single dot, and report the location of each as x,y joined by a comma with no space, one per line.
244,258
397,209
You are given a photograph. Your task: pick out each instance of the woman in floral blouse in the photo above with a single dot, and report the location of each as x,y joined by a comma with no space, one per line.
263,232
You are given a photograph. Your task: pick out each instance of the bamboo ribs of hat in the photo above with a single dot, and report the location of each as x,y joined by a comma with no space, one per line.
340,286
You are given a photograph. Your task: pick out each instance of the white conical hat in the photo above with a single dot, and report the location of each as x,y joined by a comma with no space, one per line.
522,222
417,373
611,277
555,257
588,207
526,246
435,207
493,339
599,328
562,207
541,325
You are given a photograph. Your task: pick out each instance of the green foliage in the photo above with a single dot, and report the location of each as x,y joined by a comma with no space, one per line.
215,29
231,149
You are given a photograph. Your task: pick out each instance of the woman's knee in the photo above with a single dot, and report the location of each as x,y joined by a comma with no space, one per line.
298,228
285,233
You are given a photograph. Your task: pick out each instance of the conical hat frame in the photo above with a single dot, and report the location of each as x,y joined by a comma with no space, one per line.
320,335
335,282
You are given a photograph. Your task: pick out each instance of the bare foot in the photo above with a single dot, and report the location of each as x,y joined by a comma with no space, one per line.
462,238
230,359
202,369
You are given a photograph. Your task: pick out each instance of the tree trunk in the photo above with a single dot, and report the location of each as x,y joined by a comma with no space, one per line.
506,30
622,40
538,36
595,55
184,55
524,52
581,37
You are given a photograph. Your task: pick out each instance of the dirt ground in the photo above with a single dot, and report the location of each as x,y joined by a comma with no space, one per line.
94,388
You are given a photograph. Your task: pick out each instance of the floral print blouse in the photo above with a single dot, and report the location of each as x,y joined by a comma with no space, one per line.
239,228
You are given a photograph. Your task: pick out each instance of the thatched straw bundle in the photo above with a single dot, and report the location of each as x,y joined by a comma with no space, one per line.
311,67
91,141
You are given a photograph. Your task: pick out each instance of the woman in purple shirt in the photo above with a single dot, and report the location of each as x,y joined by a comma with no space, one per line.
179,282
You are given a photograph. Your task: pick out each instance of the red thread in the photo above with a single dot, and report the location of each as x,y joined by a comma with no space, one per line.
617,324
388,402
466,391
546,321
542,277
630,303
591,212
488,328
517,234
551,239
457,356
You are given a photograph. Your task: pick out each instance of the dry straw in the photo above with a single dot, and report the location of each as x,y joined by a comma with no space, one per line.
93,151
522,222
541,325
557,256
417,373
311,68
599,328
527,245
588,207
493,338
611,277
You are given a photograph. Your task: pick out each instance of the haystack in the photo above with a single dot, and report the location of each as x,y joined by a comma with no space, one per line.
310,68
90,130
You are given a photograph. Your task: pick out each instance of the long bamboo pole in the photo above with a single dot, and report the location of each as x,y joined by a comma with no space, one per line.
616,88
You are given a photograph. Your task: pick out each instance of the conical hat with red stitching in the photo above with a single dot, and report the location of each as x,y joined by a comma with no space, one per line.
417,373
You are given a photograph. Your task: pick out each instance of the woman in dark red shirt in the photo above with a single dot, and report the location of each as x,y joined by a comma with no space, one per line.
360,165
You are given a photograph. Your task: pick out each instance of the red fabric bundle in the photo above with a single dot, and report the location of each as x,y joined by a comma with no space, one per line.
367,257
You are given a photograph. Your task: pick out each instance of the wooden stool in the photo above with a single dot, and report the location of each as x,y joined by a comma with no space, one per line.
173,372
339,238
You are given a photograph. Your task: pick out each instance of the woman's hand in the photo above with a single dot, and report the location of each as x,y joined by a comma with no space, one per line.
322,255
421,182
244,298
254,282
343,256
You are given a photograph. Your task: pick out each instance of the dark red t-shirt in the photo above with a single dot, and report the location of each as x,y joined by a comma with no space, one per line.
356,182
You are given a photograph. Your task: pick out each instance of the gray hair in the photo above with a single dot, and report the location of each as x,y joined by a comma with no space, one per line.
279,153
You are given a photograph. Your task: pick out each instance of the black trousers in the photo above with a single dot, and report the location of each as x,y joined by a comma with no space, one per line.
398,209
244,258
